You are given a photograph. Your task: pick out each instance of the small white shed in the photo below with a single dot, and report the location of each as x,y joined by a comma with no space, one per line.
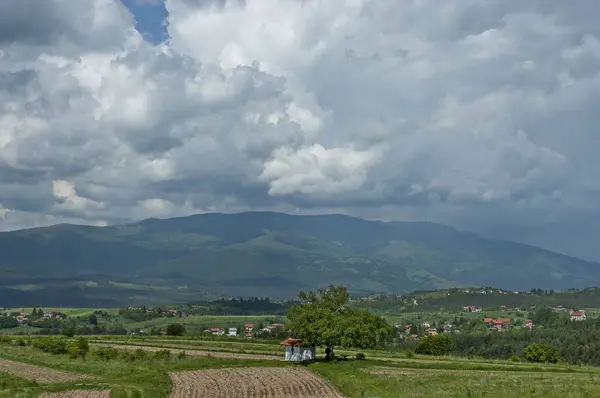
297,351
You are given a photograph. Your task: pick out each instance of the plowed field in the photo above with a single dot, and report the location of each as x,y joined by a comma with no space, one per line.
78,394
287,382
38,373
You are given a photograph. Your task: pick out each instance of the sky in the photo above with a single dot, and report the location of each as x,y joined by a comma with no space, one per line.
480,114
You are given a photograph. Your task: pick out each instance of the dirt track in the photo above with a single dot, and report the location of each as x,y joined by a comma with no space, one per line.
78,394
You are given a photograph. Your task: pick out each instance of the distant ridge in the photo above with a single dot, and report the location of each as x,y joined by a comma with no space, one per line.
269,254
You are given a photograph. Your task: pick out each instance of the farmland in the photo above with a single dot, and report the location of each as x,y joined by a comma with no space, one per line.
251,382
166,351
136,368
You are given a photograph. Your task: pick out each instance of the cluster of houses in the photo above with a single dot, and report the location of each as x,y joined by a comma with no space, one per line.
158,310
493,324
504,323
24,317
429,330
249,330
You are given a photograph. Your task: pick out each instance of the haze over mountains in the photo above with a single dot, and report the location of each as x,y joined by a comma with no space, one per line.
264,254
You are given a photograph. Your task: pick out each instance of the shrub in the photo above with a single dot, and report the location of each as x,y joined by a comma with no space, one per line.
68,332
128,355
5,340
106,353
360,356
514,358
541,353
162,355
79,348
436,345
175,329
51,345
21,342
140,354
410,354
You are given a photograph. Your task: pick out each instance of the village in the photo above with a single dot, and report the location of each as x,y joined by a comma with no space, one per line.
494,319
250,330
502,323
22,317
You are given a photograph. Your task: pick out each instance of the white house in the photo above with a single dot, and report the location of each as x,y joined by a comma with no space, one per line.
296,351
578,316
217,332
232,332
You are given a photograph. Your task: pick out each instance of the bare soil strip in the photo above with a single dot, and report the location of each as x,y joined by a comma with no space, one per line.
78,394
216,354
40,374
287,382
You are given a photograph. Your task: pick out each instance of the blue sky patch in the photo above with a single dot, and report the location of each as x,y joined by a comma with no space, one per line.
149,16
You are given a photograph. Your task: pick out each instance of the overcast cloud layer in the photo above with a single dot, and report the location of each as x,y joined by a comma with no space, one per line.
478,113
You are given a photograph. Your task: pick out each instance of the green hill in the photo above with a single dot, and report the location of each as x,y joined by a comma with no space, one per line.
265,254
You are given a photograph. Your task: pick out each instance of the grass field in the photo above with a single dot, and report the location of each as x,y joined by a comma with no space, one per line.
29,372
194,324
197,323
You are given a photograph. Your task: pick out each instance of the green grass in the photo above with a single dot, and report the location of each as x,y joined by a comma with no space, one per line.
354,379
12,386
197,323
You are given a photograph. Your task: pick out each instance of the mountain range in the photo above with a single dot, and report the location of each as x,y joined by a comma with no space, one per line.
264,254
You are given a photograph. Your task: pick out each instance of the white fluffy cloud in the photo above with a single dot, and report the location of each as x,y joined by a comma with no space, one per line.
479,113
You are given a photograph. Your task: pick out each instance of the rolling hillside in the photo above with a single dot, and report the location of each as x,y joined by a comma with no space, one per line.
265,254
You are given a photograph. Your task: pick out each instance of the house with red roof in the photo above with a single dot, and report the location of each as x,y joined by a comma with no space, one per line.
296,350
498,324
528,324
578,316
431,332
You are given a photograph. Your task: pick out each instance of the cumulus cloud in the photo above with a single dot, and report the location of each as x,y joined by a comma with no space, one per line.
479,113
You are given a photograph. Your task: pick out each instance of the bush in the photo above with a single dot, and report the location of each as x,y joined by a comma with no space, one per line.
21,342
162,355
436,345
360,356
181,355
409,355
140,354
542,353
5,340
79,348
514,358
51,345
175,329
68,332
106,353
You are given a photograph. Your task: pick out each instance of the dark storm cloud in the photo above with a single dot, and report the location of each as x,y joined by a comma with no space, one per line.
480,114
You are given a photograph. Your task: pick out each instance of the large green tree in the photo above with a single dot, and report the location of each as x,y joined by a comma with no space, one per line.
324,319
